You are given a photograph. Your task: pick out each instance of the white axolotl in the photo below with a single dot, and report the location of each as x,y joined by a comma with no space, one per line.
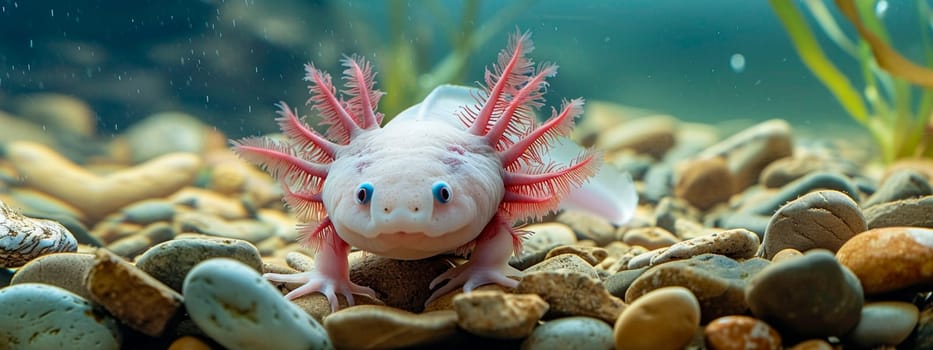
454,173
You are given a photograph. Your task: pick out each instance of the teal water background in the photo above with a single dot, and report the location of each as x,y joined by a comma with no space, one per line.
228,62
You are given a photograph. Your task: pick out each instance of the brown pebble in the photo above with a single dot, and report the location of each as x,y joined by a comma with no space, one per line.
498,315
572,294
786,254
65,270
135,244
650,237
592,255
665,318
382,327
132,296
704,182
739,333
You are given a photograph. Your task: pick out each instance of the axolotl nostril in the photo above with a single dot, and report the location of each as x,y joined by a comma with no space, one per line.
453,173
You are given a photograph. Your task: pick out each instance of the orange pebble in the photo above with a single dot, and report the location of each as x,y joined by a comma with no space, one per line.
188,343
741,332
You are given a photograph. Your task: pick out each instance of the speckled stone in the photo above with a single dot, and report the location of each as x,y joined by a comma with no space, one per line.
666,318
381,327
572,294
23,239
583,333
704,182
130,295
592,255
916,212
735,243
884,323
565,262
809,296
818,220
738,332
169,262
39,316
239,309
544,237
499,315
64,270
650,237
888,259
718,282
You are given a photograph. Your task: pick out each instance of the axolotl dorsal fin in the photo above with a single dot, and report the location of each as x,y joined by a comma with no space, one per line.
444,103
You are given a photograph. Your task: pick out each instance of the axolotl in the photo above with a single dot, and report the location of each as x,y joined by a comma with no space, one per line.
452,174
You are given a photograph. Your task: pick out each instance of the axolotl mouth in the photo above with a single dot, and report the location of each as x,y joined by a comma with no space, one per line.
404,245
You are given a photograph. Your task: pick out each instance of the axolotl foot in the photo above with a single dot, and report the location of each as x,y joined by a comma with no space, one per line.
315,281
489,264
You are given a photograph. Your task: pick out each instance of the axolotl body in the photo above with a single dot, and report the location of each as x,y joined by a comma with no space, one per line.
451,174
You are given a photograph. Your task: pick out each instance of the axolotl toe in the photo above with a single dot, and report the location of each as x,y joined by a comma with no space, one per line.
453,173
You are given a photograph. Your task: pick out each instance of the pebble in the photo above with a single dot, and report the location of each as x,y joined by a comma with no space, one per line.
922,338
63,270
810,296
891,258
47,171
188,343
211,203
544,237
749,151
651,135
735,243
170,261
592,255
899,185
571,333
149,211
813,344
28,200
247,230
23,239
652,237
704,182
884,323
382,327
565,262
756,215
239,309
670,210
39,316
785,170
62,113
572,294
916,212
130,295
494,314
718,282
587,225
818,220
137,243
398,283
666,318
619,282
175,132
739,332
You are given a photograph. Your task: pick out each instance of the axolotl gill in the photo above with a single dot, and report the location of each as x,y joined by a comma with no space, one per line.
452,174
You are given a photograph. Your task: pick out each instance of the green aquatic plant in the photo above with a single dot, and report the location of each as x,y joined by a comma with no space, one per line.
896,103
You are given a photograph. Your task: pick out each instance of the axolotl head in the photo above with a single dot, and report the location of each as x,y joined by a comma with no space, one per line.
413,189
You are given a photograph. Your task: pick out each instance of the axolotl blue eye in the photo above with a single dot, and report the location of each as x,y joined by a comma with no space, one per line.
364,193
441,191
